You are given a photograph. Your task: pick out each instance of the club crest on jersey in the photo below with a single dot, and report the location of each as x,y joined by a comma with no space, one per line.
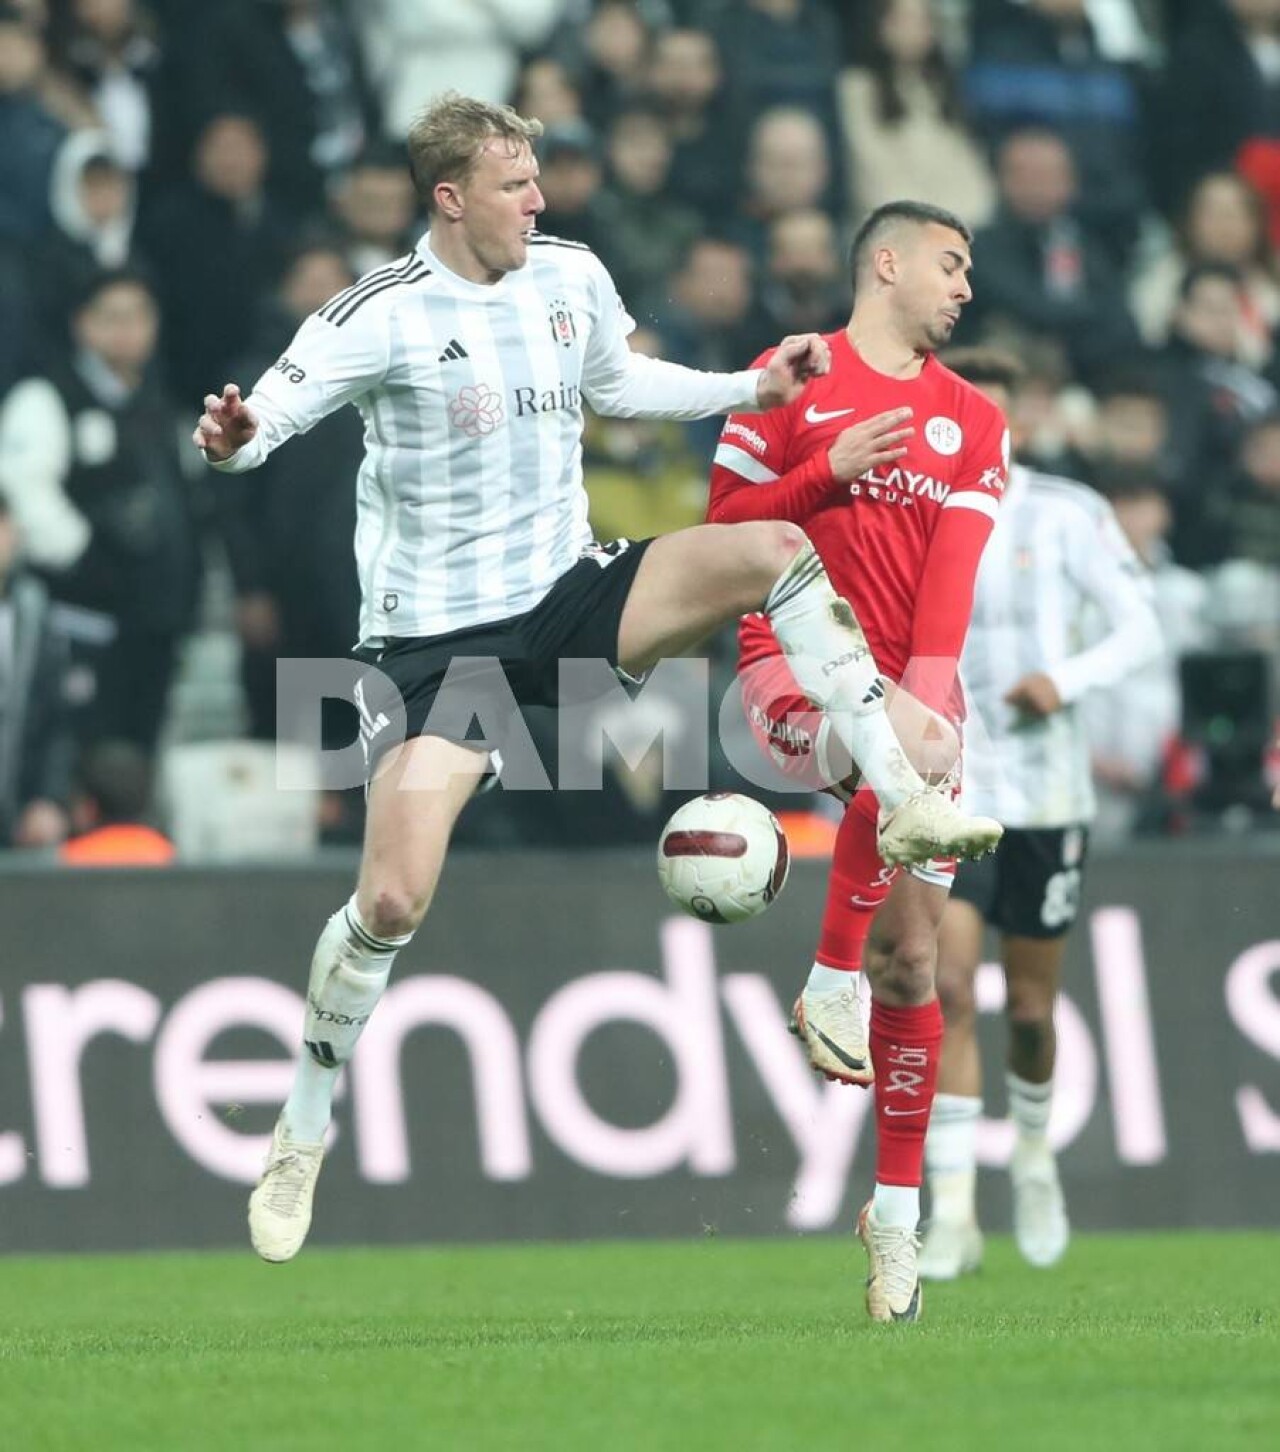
944,435
475,410
563,328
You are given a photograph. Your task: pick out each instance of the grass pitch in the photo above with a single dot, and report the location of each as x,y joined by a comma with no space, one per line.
1135,1342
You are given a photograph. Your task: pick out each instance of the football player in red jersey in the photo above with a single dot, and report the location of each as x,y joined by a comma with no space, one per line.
894,466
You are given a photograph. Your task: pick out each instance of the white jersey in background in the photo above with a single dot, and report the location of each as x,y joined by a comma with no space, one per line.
1059,591
470,496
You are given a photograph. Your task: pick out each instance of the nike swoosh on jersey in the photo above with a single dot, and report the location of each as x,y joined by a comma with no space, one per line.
820,415
899,1113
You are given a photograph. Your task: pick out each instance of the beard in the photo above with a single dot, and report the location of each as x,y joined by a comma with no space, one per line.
937,334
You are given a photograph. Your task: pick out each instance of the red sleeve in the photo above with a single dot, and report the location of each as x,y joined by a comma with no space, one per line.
944,601
749,475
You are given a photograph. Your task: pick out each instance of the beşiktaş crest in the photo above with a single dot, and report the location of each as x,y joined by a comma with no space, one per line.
563,328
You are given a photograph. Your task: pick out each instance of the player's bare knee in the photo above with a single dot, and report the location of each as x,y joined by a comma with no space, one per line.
1029,1038
393,912
904,970
956,994
766,548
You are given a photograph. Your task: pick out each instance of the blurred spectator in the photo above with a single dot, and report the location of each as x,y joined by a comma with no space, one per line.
1223,220
1130,428
788,169
904,119
570,179
374,203
36,745
641,475
1220,89
16,311
110,805
644,231
1243,518
109,47
783,53
707,319
547,91
1052,416
609,54
686,84
89,464
1212,396
804,288
415,52
216,236
296,588
30,131
1068,65
93,201
298,70
1039,265
1133,726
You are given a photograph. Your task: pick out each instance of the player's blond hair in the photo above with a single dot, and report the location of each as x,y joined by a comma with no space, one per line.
448,136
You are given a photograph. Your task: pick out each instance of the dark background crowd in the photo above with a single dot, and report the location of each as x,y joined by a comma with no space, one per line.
181,184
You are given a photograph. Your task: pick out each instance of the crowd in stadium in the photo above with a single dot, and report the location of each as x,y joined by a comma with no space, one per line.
181,185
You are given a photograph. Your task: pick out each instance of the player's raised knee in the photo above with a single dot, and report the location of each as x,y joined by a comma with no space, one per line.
767,547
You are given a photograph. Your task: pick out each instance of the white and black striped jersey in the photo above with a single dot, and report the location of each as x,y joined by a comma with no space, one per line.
1059,591
470,496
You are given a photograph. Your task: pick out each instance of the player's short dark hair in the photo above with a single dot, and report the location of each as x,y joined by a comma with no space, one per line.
893,214
116,777
991,367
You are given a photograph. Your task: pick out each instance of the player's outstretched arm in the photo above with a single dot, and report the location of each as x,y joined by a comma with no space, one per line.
226,425
796,360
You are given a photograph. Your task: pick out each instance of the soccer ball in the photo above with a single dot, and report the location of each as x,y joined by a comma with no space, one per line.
723,857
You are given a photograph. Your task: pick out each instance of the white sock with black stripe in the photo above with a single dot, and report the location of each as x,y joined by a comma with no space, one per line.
349,971
830,658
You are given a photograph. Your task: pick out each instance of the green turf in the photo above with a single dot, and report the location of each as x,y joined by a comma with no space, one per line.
1136,1342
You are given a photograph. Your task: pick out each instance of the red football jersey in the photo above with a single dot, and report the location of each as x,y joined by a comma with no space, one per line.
902,542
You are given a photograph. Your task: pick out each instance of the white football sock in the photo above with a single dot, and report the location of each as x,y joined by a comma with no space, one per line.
951,1156
1029,1108
897,1205
830,658
349,971
830,980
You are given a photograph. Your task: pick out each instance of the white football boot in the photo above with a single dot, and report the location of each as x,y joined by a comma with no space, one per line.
930,824
280,1206
893,1282
834,1033
1040,1226
950,1248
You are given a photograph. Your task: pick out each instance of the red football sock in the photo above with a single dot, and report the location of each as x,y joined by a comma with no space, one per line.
905,1043
858,883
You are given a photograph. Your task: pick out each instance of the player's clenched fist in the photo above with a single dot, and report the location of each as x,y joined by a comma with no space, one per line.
797,359
866,445
226,424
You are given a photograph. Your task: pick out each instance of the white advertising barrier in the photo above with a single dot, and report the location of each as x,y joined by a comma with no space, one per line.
560,1056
